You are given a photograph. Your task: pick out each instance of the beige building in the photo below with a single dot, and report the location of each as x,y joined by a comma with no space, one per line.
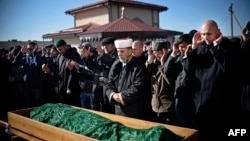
106,11
91,16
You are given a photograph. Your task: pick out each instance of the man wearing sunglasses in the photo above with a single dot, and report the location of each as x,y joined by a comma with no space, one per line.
31,61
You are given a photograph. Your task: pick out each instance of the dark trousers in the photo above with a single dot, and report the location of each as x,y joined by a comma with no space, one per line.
72,99
88,101
105,105
216,127
185,109
166,118
34,97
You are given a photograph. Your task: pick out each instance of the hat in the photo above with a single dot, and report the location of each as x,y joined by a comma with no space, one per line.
123,43
160,44
108,40
60,42
49,46
54,48
85,44
185,38
147,43
192,32
16,50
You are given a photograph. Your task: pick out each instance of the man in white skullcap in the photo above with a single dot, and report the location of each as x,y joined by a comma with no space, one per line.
126,83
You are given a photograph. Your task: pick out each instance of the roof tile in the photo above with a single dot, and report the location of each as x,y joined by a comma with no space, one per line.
125,25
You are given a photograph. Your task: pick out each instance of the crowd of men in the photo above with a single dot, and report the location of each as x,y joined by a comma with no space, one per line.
201,81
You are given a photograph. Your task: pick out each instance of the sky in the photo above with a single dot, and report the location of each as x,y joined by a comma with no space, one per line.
30,19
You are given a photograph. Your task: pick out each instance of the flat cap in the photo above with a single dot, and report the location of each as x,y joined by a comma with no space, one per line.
123,43
85,44
108,40
60,42
49,46
160,44
147,43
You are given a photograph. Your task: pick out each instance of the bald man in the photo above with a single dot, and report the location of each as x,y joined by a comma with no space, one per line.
210,34
213,64
138,51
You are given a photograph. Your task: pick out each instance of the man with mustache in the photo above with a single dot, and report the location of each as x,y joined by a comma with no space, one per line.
126,83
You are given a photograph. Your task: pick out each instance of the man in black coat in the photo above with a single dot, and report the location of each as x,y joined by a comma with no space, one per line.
68,83
126,82
107,54
214,68
245,76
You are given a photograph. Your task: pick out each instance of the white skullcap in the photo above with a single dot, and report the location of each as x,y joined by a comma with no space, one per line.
123,43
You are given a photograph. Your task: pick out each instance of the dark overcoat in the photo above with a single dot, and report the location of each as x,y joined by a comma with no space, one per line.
131,87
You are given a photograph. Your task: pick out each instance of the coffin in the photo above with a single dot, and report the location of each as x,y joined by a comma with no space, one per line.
22,126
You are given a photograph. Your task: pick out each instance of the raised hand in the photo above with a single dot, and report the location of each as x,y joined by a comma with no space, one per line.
197,40
186,51
23,49
244,35
99,50
151,56
218,40
70,65
86,53
45,68
75,64
164,56
175,49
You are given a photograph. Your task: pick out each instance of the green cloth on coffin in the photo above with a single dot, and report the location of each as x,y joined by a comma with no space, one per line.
95,126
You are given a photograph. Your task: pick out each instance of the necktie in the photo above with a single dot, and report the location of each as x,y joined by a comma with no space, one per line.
123,68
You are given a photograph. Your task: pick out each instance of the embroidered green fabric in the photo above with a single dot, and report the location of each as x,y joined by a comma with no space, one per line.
97,127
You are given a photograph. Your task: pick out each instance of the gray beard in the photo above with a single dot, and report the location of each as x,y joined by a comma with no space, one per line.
124,60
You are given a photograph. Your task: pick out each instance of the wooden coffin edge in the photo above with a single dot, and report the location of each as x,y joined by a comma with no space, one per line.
190,134
21,125
33,130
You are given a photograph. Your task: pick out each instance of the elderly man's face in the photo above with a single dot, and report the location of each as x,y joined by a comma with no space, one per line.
124,54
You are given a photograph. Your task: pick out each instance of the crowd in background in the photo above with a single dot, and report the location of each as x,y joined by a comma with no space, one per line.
201,81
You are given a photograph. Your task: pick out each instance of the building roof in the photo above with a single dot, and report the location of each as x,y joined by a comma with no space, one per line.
129,3
124,27
118,28
71,31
